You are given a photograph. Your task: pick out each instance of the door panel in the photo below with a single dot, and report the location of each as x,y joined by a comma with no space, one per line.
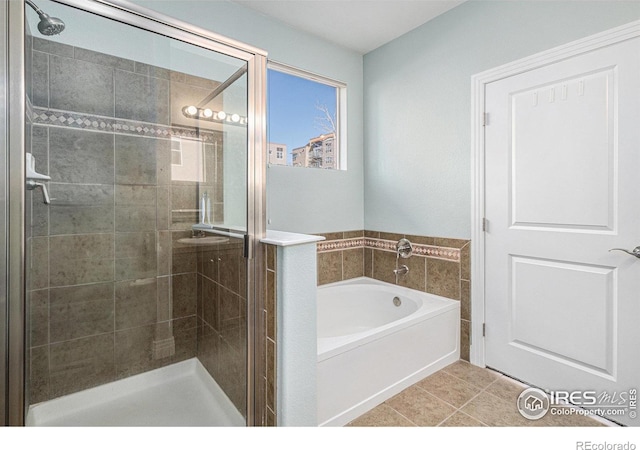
561,191
585,291
573,157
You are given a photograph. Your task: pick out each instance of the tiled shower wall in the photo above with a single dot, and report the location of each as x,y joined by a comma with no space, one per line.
438,266
112,291
222,316
270,328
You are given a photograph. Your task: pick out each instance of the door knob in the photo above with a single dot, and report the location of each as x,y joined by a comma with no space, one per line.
635,252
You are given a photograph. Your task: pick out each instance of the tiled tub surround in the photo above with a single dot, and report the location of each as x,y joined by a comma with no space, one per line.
112,292
438,266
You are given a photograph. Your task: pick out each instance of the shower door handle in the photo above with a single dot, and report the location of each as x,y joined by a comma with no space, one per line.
31,185
35,179
635,252
31,170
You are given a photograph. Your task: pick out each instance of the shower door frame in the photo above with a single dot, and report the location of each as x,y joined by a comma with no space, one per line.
4,23
151,21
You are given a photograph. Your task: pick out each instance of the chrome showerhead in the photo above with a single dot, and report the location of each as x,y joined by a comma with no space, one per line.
48,25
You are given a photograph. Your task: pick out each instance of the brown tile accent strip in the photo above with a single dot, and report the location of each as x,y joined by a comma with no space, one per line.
340,244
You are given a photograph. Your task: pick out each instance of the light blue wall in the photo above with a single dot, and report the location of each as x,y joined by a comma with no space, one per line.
299,200
417,92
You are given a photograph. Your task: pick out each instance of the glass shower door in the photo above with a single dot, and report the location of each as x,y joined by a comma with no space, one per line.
136,223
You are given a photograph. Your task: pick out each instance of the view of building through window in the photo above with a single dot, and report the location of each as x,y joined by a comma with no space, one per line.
302,122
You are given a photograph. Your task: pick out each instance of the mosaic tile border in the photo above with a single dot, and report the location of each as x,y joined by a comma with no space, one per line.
340,244
431,251
52,117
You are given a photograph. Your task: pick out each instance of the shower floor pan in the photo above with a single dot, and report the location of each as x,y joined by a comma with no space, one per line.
182,394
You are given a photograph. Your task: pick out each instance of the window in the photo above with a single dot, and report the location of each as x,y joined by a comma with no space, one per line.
305,122
176,152
187,159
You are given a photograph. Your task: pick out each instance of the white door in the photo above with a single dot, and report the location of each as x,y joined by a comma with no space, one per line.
562,173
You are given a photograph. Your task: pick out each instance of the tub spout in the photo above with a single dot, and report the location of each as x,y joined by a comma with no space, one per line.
402,270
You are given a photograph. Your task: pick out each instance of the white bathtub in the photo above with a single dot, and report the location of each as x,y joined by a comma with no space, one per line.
369,349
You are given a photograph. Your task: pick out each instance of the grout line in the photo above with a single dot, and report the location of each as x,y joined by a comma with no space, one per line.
447,418
474,418
436,396
400,414
459,409
426,272
456,408
469,401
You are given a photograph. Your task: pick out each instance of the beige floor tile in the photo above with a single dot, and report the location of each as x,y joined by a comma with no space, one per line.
494,411
485,398
451,389
472,374
460,419
381,416
420,407
509,390
506,389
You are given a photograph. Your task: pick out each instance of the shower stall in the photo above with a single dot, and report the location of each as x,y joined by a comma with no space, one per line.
133,190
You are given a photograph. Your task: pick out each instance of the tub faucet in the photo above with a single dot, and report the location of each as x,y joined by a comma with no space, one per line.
402,270
404,250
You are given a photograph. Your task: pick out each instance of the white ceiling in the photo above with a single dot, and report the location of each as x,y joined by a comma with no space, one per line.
361,25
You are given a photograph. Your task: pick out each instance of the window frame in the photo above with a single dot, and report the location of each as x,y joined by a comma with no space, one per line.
340,143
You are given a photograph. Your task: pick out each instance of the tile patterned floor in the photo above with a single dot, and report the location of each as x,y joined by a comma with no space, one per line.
461,395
